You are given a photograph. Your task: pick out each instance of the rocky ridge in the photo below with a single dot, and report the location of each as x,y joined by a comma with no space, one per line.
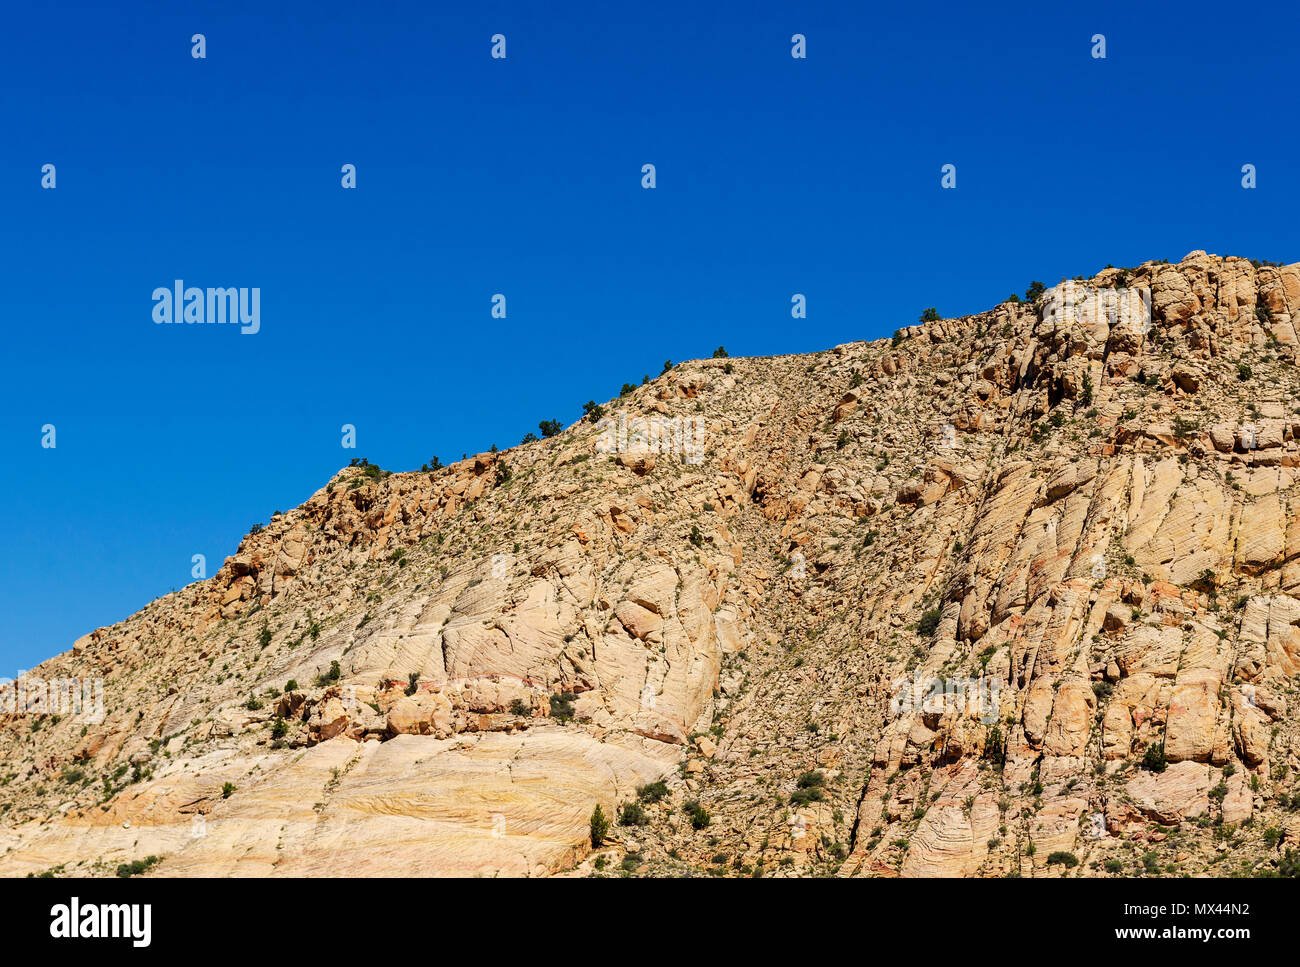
1090,522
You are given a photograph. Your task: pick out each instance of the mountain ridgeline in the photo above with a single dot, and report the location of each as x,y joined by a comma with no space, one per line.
1016,593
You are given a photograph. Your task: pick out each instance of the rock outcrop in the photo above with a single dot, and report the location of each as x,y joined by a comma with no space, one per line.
1003,588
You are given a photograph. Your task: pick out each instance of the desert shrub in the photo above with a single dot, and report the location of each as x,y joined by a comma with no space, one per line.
331,676
928,623
1290,865
700,817
632,814
599,826
136,867
652,791
562,706
995,745
1154,759
801,797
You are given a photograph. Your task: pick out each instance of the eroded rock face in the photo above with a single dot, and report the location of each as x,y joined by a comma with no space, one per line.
1180,792
1016,579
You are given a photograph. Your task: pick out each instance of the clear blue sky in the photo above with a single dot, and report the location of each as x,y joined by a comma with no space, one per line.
523,176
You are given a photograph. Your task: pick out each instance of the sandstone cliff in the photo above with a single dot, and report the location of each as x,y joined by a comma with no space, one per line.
1091,524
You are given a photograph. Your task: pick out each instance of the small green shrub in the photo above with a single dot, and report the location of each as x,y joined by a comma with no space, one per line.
599,827
700,817
632,814
928,623
562,706
652,791
136,867
331,676
1154,759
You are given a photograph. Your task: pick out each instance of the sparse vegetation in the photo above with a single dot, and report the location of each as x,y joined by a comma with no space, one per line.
1154,759
632,814
929,622
331,676
136,867
562,706
599,827
699,816
652,792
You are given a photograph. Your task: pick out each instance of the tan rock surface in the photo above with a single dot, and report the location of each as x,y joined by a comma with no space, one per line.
909,608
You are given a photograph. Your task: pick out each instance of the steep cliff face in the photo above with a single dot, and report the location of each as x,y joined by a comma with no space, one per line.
1001,593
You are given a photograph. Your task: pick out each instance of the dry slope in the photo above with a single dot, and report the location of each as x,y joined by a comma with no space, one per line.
1092,524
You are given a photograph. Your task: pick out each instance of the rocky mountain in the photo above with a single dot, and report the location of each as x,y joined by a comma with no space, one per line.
1016,593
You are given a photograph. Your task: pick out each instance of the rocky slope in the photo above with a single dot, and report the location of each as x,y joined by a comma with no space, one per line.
1090,524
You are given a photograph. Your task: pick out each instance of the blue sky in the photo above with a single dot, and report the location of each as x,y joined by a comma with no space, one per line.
523,176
